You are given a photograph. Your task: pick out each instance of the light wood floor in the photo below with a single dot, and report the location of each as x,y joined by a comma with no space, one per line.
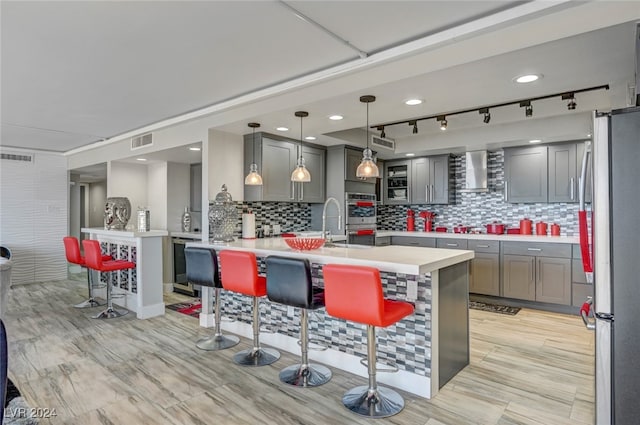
532,368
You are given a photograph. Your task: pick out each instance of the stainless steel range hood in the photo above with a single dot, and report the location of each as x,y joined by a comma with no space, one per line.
476,172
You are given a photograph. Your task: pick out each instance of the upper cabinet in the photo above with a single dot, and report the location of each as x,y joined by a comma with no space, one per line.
276,159
525,174
418,181
544,173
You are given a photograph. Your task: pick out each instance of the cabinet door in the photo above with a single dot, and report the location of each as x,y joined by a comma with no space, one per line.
579,154
353,158
563,175
525,172
313,191
553,280
397,177
278,161
485,274
439,179
518,277
419,181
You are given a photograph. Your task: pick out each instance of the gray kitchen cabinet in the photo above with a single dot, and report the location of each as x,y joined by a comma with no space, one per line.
537,272
277,158
439,179
525,174
383,240
353,158
397,176
580,147
418,181
563,173
451,243
195,187
485,267
580,288
413,241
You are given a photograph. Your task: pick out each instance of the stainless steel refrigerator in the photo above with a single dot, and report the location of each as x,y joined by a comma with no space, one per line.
615,256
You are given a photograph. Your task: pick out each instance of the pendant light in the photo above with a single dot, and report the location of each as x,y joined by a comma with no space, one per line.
301,174
253,178
367,167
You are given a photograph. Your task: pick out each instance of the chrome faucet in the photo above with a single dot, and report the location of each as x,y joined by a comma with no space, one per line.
324,216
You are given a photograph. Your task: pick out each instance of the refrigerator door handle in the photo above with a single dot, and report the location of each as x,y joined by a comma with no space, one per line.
585,312
608,317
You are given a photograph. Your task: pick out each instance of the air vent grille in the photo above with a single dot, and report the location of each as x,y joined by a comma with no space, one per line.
383,143
141,141
23,157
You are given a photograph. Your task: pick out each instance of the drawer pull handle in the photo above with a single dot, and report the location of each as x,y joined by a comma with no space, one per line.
534,249
482,246
452,244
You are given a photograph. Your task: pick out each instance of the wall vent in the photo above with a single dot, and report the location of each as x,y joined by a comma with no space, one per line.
383,143
141,141
23,157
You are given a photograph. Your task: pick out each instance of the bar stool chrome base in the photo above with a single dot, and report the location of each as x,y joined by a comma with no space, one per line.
111,313
312,375
379,403
217,342
256,357
92,302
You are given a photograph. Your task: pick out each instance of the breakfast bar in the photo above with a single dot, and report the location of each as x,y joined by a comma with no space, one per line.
429,347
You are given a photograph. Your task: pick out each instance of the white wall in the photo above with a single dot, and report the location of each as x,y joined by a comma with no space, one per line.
34,201
226,159
156,195
97,198
178,194
130,181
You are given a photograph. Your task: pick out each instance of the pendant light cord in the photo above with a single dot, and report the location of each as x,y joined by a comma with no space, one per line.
367,125
254,145
300,153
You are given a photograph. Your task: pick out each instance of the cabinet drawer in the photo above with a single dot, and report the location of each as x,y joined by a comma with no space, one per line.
541,249
413,241
451,243
484,246
383,241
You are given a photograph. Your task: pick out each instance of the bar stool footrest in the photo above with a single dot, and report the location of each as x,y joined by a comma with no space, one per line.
379,403
111,313
90,303
386,368
315,345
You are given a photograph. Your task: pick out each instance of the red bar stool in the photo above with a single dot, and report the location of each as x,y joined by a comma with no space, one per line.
289,283
93,258
72,251
240,274
202,269
355,293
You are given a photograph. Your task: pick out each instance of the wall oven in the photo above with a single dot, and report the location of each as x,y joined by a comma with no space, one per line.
361,218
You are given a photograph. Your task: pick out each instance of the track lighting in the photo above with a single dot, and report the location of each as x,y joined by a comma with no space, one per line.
572,100
487,115
528,109
382,134
443,122
415,126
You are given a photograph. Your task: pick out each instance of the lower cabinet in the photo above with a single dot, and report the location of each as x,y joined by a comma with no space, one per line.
485,274
553,280
413,241
518,277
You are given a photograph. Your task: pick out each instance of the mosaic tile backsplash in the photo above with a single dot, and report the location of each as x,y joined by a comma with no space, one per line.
477,209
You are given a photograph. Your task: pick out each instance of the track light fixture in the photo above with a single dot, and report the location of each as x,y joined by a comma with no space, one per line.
487,115
443,122
484,110
572,100
381,129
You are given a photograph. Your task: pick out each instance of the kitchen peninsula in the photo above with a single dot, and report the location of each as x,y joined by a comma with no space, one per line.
429,347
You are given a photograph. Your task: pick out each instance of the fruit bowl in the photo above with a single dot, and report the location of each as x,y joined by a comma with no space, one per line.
304,244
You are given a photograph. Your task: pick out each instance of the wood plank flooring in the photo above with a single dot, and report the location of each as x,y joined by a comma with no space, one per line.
532,368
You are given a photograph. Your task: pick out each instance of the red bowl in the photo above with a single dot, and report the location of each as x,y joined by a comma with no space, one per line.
441,229
304,244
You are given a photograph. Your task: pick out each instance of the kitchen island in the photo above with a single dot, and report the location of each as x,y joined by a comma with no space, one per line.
429,347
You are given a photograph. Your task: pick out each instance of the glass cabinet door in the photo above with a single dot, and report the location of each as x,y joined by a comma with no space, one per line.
397,182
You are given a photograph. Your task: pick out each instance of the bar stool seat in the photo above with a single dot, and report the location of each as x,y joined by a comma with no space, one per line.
72,252
289,283
355,293
93,258
202,269
239,272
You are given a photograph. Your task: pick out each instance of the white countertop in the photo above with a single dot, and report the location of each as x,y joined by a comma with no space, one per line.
397,259
124,233
483,236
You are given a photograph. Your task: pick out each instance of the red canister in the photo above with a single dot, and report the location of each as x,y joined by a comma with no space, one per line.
555,229
541,228
411,223
525,226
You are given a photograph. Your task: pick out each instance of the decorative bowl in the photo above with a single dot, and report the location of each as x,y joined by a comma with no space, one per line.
304,244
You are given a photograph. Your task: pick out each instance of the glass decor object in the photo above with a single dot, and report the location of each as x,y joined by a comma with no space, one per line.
117,212
367,167
186,220
300,173
144,219
223,217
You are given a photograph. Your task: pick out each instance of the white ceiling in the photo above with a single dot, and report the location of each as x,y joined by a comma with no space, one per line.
74,73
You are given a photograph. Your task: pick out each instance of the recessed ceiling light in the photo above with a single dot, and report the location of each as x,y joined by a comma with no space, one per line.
528,78
194,148
413,102
141,159
282,129
535,141
336,117
589,135
410,154
310,138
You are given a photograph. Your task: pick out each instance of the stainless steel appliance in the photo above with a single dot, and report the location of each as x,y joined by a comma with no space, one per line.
180,268
361,218
616,270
